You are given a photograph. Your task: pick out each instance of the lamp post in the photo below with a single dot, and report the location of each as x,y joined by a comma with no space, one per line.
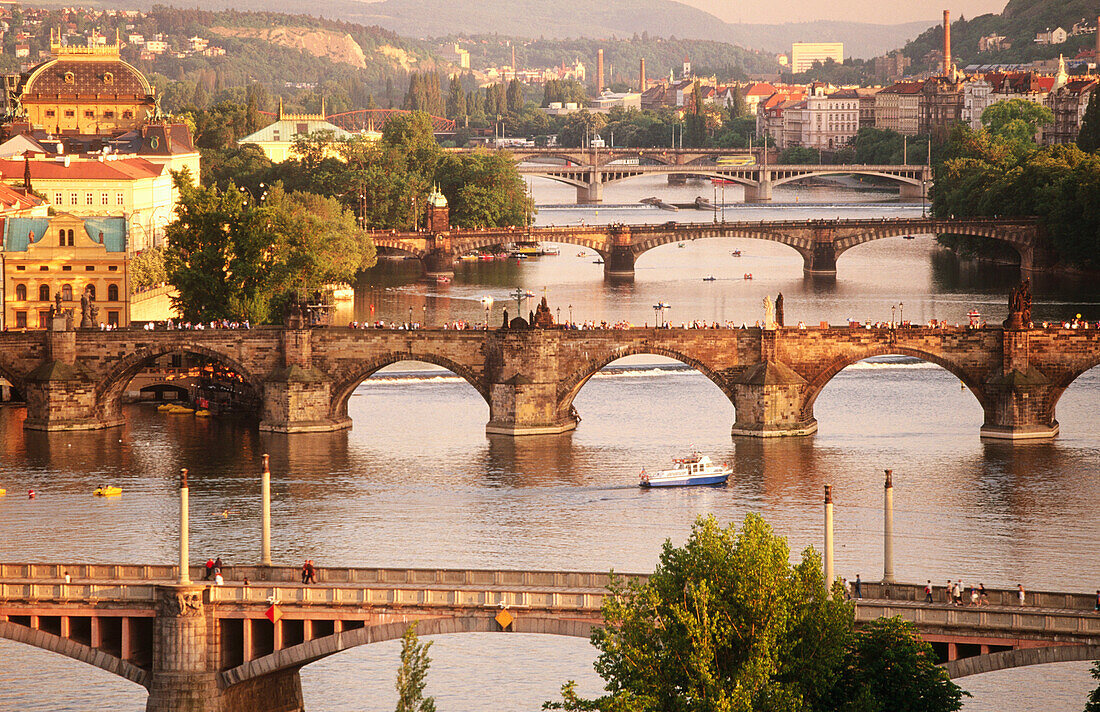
558,310
901,312
424,321
893,309
570,315
656,311
487,302
410,317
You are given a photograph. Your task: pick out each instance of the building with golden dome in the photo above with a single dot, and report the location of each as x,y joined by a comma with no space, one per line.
83,90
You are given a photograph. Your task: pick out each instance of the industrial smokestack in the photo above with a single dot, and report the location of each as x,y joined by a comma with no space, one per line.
946,43
641,74
599,71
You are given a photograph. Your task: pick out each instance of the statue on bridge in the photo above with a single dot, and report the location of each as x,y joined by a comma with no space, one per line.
88,312
542,318
769,313
779,310
1019,306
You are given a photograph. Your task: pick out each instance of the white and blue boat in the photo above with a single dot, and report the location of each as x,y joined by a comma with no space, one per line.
693,470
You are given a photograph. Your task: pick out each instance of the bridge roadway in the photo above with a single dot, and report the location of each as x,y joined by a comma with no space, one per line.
820,242
589,170
302,378
200,648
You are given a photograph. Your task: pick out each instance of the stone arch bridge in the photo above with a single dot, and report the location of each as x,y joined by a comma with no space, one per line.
303,378
214,649
820,242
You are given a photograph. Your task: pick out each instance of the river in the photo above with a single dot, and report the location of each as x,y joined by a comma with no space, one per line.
417,482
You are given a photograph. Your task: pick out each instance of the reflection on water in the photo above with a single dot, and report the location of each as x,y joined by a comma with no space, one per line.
418,483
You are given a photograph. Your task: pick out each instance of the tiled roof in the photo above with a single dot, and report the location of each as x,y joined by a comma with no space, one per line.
288,129
123,169
70,77
19,231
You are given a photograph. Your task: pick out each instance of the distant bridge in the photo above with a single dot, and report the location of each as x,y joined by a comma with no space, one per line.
376,120
820,242
589,170
214,649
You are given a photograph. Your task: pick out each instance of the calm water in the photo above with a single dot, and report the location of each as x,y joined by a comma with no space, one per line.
418,483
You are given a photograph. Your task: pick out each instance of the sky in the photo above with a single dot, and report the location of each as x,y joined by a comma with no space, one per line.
887,12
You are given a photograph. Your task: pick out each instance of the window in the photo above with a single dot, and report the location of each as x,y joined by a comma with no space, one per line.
90,291
58,198
70,78
66,268
108,114
21,268
70,113
103,199
20,292
70,238
43,319
73,199
275,135
89,268
88,199
66,292
21,320
89,114
61,238
127,114
301,129
112,318
112,268
118,199
43,292
50,113
44,268
112,292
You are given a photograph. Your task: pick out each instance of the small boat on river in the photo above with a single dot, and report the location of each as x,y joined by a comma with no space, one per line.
107,491
694,470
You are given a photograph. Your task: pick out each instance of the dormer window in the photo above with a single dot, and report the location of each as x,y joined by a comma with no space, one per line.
70,78
108,78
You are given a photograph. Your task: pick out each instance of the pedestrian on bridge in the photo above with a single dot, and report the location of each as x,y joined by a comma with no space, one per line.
858,587
928,591
209,573
1097,600
1021,594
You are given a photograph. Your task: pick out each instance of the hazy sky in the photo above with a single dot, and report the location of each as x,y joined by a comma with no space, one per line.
878,11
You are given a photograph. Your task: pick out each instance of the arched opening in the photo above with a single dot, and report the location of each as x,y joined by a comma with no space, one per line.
20,292
641,408
200,379
1073,402
1033,688
89,289
38,680
405,393
897,393
112,292
61,238
43,292
70,238
66,292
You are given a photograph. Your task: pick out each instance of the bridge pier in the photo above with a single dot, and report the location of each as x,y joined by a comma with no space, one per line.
618,264
438,263
768,402
759,192
297,398
1018,400
58,393
821,260
911,191
592,192
524,398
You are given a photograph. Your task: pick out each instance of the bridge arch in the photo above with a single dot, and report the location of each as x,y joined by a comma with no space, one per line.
74,650
905,180
296,656
109,389
572,384
1021,657
683,170
346,383
817,384
549,175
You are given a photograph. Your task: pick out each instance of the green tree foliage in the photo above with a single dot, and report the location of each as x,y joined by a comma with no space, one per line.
579,127
1088,139
484,189
411,676
800,155
885,147
456,99
738,108
147,270
1092,704
725,623
987,175
496,101
230,257
514,97
425,94
563,91
695,129
888,668
1016,120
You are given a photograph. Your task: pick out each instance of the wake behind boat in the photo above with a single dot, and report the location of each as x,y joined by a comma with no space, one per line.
693,470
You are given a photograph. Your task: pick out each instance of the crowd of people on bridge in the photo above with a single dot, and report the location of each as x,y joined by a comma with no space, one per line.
173,325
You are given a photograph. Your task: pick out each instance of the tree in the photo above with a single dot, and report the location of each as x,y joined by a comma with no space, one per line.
456,98
738,107
888,668
514,98
484,189
1016,120
147,269
411,676
724,624
1088,139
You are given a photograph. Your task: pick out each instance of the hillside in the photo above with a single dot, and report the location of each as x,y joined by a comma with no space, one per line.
1018,22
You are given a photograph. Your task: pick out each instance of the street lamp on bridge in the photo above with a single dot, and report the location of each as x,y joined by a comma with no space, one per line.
487,302
571,315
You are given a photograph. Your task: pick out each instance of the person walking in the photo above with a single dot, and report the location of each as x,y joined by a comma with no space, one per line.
217,566
858,587
311,573
949,592
928,591
305,570
974,600
209,573
983,595
1021,594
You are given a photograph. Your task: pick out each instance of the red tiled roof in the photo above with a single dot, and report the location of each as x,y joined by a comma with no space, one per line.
125,169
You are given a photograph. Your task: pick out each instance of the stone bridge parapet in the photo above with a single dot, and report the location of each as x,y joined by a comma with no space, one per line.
302,378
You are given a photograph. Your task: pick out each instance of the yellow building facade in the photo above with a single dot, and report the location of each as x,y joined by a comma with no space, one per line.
84,90
64,255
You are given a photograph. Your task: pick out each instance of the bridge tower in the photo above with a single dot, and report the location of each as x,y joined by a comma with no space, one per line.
1019,399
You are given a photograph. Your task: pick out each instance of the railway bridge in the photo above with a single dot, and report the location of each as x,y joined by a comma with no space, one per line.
200,648
303,377
820,242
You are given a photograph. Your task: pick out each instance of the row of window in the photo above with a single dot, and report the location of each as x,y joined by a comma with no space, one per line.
44,317
89,114
66,268
66,292
89,198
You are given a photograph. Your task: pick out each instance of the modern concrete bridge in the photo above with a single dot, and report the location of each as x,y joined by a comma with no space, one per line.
303,377
589,170
203,648
820,242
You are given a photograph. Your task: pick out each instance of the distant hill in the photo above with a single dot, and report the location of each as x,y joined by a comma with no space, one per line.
533,19
1018,22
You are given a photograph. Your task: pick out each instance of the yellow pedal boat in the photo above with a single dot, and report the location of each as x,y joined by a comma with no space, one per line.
106,491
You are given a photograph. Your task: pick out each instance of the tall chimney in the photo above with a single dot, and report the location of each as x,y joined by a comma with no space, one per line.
641,73
513,59
599,71
946,43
